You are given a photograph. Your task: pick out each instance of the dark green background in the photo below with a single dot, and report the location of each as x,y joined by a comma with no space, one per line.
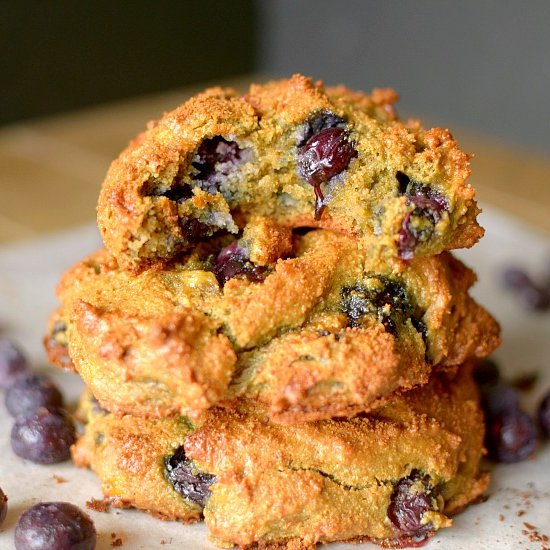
61,55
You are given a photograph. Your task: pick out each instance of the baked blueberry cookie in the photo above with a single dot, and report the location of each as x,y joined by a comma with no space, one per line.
393,475
306,324
297,153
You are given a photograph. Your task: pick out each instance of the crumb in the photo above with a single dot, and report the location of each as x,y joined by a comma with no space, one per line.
58,479
501,517
520,513
98,505
532,533
163,541
116,542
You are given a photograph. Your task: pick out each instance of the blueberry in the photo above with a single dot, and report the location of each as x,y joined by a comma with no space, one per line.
535,298
515,278
499,398
43,437
511,436
531,295
12,362
233,261
412,497
216,158
3,506
418,225
55,526
30,392
387,300
319,122
325,155
193,485
544,415
487,373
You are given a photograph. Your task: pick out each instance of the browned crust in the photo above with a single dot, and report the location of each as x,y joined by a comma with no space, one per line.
187,344
144,231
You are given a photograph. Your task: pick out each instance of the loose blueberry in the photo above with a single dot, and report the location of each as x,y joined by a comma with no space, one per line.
516,278
193,485
12,362
55,526
499,398
324,155
43,437
233,262
535,298
3,506
487,373
31,392
544,415
216,158
511,436
412,497
532,296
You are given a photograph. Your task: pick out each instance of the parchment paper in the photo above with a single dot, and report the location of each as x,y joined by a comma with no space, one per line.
519,494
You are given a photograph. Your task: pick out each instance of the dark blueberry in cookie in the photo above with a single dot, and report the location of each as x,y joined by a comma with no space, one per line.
55,526
3,506
386,300
194,230
179,192
319,122
498,398
511,436
412,497
12,362
216,158
544,415
43,437
186,479
487,373
415,189
324,155
532,296
418,225
30,392
233,261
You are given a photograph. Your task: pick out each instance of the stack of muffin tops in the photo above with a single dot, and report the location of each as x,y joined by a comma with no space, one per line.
275,338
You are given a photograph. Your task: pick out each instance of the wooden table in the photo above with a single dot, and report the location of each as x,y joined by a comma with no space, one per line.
52,168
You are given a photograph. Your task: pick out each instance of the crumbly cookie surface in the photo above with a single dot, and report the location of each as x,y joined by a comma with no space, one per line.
396,473
298,153
307,324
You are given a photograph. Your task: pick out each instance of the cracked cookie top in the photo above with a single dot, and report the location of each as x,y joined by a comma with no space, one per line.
295,151
393,474
305,323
